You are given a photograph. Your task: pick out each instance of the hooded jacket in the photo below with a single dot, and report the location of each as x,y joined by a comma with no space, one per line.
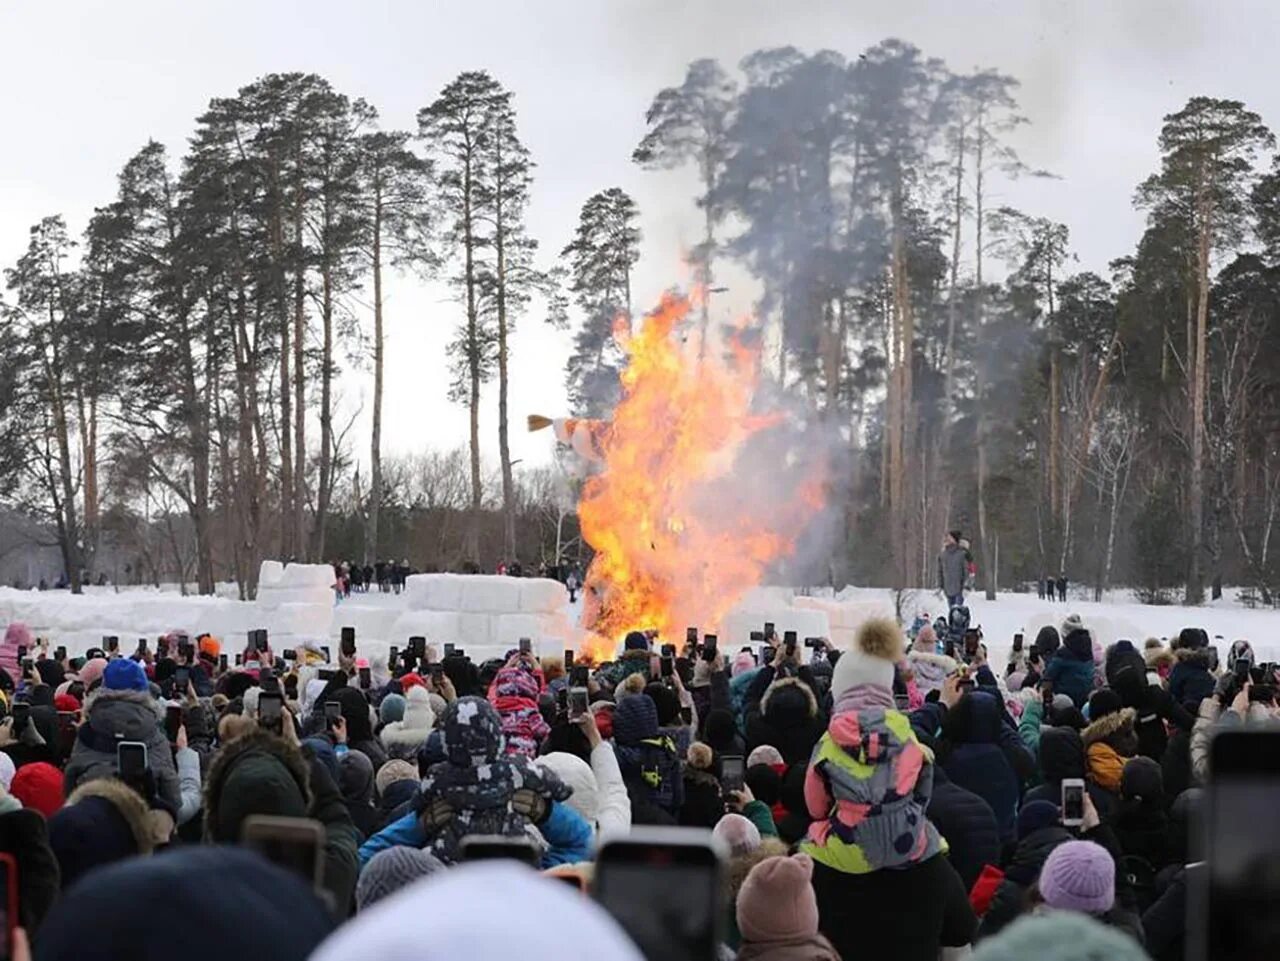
930,669
1212,717
479,779
404,738
259,773
968,825
1191,680
515,692
647,759
983,755
103,821
1152,706
112,717
1108,743
1071,668
788,719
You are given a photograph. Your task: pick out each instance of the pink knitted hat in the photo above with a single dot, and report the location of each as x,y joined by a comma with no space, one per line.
776,901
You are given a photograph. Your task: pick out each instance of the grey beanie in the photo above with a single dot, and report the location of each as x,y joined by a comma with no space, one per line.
391,709
390,870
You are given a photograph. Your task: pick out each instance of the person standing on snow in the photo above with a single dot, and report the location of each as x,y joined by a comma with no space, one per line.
953,570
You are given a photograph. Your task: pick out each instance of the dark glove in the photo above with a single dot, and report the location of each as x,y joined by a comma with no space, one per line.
436,815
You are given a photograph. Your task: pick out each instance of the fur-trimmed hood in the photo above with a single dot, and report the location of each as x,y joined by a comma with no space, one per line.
740,866
1193,657
1118,724
257,743
122,715
785,702
947,664
127,802
414,729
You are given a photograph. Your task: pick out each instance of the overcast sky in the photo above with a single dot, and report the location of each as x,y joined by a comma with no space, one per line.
85,84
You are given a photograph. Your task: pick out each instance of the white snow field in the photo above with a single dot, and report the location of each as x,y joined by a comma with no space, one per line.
486,615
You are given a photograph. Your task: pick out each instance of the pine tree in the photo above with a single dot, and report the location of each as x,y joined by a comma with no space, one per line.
605,247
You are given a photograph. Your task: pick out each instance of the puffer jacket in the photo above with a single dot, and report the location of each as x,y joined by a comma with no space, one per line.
404,738
112,717
1071,669
967,824
931,670
514,692
1191,681
788,719
1108,743
867,789
631,662
983,755
1211,719
648,761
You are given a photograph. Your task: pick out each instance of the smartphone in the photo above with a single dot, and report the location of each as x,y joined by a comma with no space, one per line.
756,637
60,654
496,847
562,703
789,641
185,651
902,702
142,645
21,712
393,658
295,844
268,681
222,664
1017,642
8,902
579,702
436,671
418,647
131,761
111,643
172,721
813,642
667,666
324,649
1232,913
691,635
270,706
568,660
348,643
366,678
162,647
950,648
22,652
449,650
1072,802
769,630
1241,670
709,647
579,676
733,772
970,643
181,678
526,646
332,711
239,660
663,885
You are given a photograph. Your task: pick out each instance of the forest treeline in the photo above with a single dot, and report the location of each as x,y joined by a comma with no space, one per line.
170,379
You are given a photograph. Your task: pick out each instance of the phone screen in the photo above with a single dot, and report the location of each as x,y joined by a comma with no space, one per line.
667,666
709,648
733,772
1017,642
579,702
484,848
1072,802
449,649
172,721
131,760
526,645
366,678
1241,670
348,647
568,660
665,896
269,707
691,635
181,678
222,663
332,711
418,645
1237,920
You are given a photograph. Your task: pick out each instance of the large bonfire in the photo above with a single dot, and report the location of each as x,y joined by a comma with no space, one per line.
679,533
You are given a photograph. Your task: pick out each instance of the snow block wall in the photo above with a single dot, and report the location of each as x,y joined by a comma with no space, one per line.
485,615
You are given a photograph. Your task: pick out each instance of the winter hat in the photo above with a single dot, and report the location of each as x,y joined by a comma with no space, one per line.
277,915
92,671
393,772
1240,650
391,709
1079,876
878,646
576,773
1072,624
1059,936
411,679
460,904
1102,702
355,776
1036,815
743,661
776,902
635,641
123,674
209,646
634,719
737,833
1047,641
1142,779
6,770
65,704
765,754
1061,702
390,870
438,705
700,756
39,787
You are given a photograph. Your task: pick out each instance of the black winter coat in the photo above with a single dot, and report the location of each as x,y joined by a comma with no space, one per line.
856,911
25,836
1021,872
1164,924
787,718
968,824
703,805
1061,757
1154,707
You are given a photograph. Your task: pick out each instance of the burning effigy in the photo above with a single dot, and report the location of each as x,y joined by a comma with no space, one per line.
685,507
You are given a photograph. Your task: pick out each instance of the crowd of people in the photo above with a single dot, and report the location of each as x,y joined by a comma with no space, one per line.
893,801
384,577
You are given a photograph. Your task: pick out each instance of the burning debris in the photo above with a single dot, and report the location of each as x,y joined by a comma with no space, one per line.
690,503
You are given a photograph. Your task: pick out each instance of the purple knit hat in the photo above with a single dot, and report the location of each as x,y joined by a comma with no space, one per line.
1079,876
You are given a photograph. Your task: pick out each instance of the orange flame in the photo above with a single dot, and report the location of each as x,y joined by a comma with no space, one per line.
677,543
